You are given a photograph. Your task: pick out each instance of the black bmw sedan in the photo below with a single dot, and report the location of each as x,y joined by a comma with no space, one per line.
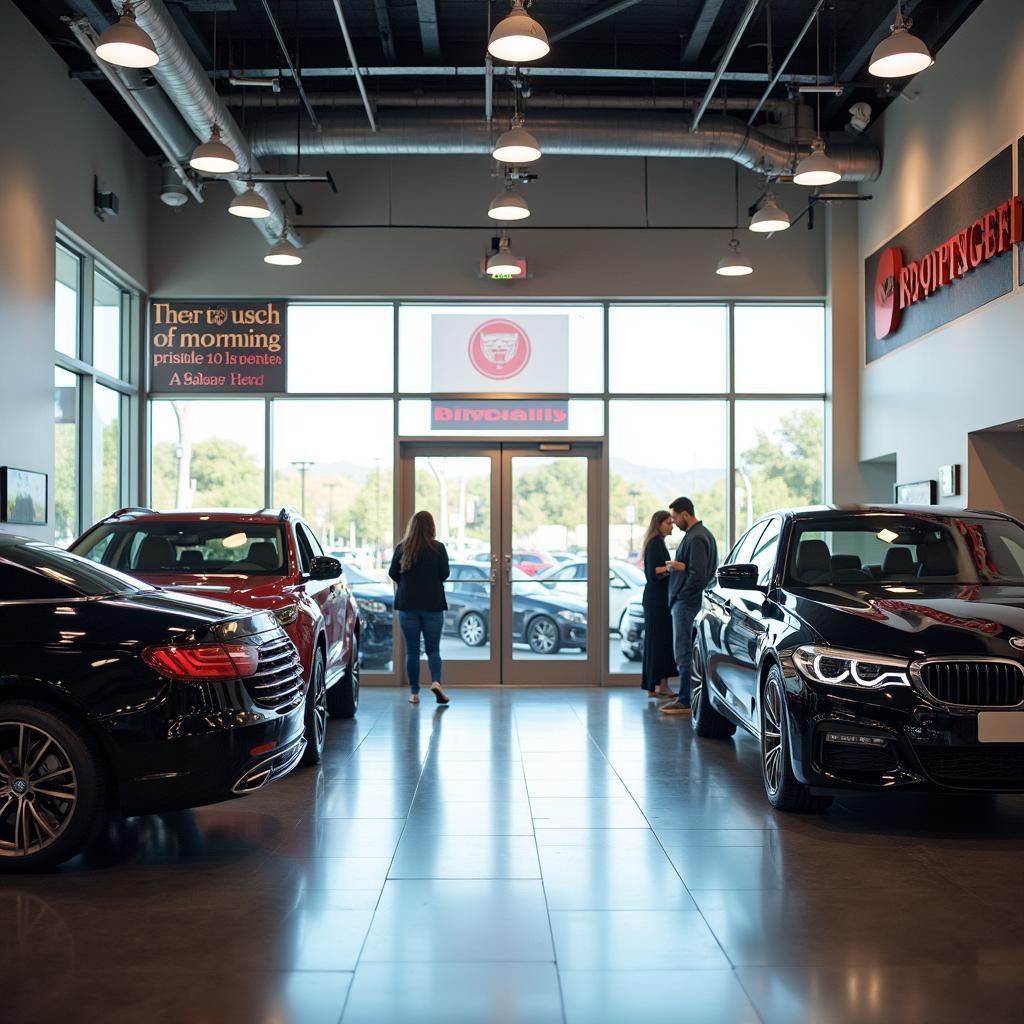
115,696
870,648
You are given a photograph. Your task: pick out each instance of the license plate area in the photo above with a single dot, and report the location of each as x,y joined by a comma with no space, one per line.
1001,726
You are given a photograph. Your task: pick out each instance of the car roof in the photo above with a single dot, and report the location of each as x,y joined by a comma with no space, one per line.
216,515
837,511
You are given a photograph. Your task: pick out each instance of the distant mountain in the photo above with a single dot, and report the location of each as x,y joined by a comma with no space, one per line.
668,483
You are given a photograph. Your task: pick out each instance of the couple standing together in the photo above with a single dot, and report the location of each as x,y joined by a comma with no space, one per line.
672,598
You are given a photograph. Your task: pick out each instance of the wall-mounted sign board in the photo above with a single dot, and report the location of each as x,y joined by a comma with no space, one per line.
217,346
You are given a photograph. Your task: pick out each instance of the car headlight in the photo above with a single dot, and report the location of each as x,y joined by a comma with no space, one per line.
377,607
573,617
850,668
287,615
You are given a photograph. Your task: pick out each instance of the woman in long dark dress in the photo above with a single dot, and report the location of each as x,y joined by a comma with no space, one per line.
659,660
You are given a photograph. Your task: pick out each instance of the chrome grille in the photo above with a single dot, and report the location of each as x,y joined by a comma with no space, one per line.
277,682
978,684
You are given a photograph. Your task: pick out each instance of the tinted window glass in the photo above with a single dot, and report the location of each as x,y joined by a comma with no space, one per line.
765,550
51,572
314,544
18,584
741,554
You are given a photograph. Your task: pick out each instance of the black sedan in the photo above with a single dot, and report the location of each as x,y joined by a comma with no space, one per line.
118,696
545,620
870,648
376,603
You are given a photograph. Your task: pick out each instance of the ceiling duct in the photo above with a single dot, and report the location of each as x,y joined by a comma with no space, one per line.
187,83
579,133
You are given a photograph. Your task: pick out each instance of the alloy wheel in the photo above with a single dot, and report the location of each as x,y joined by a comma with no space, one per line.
38,789
771,737
543,636
696,685
354,672
471,630
320,706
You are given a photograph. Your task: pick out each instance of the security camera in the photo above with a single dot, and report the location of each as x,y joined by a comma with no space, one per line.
860,118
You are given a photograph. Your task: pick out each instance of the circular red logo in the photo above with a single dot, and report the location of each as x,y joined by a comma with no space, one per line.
499,349
887,300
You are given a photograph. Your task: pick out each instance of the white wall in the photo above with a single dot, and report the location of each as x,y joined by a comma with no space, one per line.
923,399
56,138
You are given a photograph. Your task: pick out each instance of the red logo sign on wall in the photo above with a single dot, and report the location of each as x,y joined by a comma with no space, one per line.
887,279
499,349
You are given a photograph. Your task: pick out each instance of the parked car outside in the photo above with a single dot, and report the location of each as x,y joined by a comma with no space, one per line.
872,648
268,560
631,633
546,622
625,585
532,562
376,602
115,696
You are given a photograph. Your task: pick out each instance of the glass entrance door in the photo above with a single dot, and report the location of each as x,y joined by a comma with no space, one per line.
517,521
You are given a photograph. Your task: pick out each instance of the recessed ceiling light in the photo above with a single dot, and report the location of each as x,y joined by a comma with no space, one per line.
518,38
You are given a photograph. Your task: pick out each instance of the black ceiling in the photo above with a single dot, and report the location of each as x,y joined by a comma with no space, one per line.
649,35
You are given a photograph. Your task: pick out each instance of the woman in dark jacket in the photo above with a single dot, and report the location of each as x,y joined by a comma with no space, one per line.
659,659
420,567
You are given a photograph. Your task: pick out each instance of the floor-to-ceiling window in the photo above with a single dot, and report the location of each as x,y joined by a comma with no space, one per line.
95,391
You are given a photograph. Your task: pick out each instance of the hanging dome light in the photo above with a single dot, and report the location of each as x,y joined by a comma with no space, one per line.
901,53
283,253
735,264
771,217
213,157
503,263
249,204
817,168
517,145
508,205
125,44
517,38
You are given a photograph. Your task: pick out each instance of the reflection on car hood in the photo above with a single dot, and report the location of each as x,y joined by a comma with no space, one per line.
907,620
254,591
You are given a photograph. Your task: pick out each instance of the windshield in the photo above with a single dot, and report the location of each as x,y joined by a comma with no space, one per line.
51,572
184,548
918,548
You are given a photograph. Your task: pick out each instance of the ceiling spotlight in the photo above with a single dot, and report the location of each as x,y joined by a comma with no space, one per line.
214,157
517,38
283,253
503,263
771,217
172,191
817,168
735,264
125,44
508,205
517,145
901,53
249,204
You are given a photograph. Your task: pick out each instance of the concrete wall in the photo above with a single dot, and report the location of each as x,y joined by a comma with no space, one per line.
56,138
923,399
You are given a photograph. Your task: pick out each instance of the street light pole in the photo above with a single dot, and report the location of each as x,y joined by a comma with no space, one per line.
303,466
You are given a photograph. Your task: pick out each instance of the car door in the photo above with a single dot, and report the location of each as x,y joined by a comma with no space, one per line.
331,596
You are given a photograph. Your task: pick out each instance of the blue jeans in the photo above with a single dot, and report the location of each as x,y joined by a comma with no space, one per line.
682,643
428,624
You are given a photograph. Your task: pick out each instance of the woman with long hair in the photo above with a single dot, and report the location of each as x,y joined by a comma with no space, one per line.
420,567
659,662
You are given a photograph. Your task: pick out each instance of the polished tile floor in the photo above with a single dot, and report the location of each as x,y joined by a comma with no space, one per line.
524,857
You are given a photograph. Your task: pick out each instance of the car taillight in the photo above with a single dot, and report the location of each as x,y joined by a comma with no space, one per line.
207,661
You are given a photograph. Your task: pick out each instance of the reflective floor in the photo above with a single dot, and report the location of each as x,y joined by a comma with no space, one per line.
528,856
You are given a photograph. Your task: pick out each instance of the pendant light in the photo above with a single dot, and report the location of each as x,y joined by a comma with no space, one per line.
901,53
735,264
213,157
283,253
503,263
518,38
125,44
249,204
817,168
517,145
508,205
771,217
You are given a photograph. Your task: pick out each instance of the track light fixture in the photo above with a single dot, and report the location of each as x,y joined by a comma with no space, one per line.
517,145
125,44
214,157
518,38
901,53
249,204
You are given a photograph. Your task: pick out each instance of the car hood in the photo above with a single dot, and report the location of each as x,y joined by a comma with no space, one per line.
239,588
924,621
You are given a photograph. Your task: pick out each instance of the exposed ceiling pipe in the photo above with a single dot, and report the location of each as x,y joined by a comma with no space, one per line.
590,133
343,25
187,84
290,63
785,60
734,41
592,19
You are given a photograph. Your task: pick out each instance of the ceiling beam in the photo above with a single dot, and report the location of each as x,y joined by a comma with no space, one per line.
427,10
593,19
730,49
387,38
709,11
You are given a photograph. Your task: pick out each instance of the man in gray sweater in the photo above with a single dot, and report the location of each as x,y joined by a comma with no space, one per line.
692,569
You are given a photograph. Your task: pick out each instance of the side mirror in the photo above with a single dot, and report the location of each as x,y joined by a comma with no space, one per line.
325,568
738,577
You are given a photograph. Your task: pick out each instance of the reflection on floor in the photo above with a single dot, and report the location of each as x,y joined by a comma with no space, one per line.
528,856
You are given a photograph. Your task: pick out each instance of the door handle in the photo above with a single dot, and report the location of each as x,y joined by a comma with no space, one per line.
508,571
494,570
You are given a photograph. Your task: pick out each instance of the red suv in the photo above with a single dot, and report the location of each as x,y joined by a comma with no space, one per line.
268,560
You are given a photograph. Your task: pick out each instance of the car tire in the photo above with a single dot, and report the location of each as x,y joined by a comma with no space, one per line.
343,696
704,719
60,749
542,635
784,791
473,629
316,711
